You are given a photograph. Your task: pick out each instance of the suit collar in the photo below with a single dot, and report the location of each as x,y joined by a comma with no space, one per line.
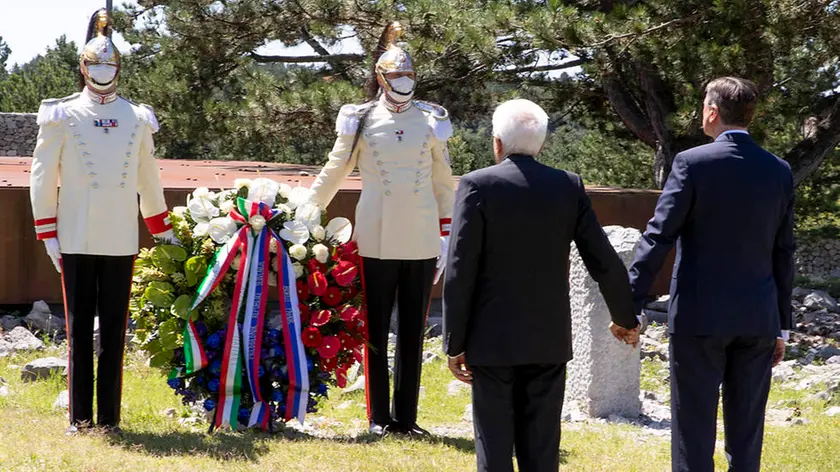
518,157
734,137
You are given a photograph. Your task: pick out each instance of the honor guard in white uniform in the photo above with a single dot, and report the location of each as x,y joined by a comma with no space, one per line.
402,224
100,147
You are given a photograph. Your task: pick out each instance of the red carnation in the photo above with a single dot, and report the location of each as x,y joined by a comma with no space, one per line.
350,293
320,318
347,340
345,273
329,365
333,296
315,266
302,290
311,337
329,347
304,312
317,284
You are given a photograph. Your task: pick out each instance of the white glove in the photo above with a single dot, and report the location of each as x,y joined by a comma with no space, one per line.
441,262
168,237
54,251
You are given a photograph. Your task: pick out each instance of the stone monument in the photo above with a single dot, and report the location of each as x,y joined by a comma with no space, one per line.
603,378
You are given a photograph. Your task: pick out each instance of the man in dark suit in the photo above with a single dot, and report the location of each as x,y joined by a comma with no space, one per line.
507,323
728,206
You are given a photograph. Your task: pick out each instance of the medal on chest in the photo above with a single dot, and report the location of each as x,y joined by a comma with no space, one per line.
105,123
399,133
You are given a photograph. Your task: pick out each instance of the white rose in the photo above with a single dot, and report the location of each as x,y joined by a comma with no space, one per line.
180,211
201,192
298,267
285,191
318,232
202,209
272,246
227,206
321,252
298,251
295,232
263,190
308,214
221,229
239,183
298,196
201,230
257,223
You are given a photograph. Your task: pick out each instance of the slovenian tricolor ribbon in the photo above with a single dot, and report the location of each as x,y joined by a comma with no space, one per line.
253,240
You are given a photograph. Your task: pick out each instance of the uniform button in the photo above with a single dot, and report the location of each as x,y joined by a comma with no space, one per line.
125,164
94,185
131,143
425,145
82,143
122,184
388,193
417,182
376,153
128,154
124,174
379,163
383,172
387,182
92,174
133,134
77,135
72,125
416,191
85,153
88,163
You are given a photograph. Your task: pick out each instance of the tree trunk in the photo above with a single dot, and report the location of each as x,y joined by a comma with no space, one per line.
821,138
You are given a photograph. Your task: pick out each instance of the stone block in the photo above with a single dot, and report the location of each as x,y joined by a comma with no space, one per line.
603,377
43,369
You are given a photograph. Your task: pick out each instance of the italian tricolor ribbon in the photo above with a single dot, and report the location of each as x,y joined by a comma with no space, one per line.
253,240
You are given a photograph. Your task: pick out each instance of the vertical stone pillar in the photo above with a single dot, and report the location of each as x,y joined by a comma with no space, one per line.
603,377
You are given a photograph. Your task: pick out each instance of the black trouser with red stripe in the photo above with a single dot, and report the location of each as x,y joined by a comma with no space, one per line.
96,285
410,284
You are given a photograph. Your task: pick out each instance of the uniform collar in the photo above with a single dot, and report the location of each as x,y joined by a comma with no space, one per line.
393,107
97,98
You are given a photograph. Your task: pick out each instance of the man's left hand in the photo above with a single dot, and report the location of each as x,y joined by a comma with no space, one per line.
779,352
441,262
627,336
460,369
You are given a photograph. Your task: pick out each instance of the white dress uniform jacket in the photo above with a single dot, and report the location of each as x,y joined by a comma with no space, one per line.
103,154
407,185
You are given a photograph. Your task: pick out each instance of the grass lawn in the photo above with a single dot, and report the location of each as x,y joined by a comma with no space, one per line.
33,439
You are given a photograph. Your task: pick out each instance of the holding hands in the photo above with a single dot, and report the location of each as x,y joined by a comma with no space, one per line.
627,336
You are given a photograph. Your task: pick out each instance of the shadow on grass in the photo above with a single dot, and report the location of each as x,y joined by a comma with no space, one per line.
250,445
244,447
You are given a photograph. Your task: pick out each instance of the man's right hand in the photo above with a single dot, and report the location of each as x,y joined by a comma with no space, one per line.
54,251
628,336
460,369
779,352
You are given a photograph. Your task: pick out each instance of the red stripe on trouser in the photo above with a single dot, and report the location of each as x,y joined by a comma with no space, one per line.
125,327
69,337
367,337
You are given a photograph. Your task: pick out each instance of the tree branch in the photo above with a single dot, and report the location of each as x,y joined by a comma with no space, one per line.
822,138
652,29
303,59
628,110
549,67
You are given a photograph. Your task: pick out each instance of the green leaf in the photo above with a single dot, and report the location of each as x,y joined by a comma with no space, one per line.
161,359
153,347
168,332
181,307
160,294
195,269
167,257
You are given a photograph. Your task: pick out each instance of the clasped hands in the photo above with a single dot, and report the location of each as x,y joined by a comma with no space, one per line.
627,336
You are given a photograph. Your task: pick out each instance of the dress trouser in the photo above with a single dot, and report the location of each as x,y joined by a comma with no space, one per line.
96,285
410,284
699,365
518,407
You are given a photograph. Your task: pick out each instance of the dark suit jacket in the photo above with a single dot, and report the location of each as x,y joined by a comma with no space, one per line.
506,292
729,207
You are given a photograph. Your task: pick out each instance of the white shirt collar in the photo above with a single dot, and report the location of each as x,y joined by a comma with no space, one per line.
735,131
